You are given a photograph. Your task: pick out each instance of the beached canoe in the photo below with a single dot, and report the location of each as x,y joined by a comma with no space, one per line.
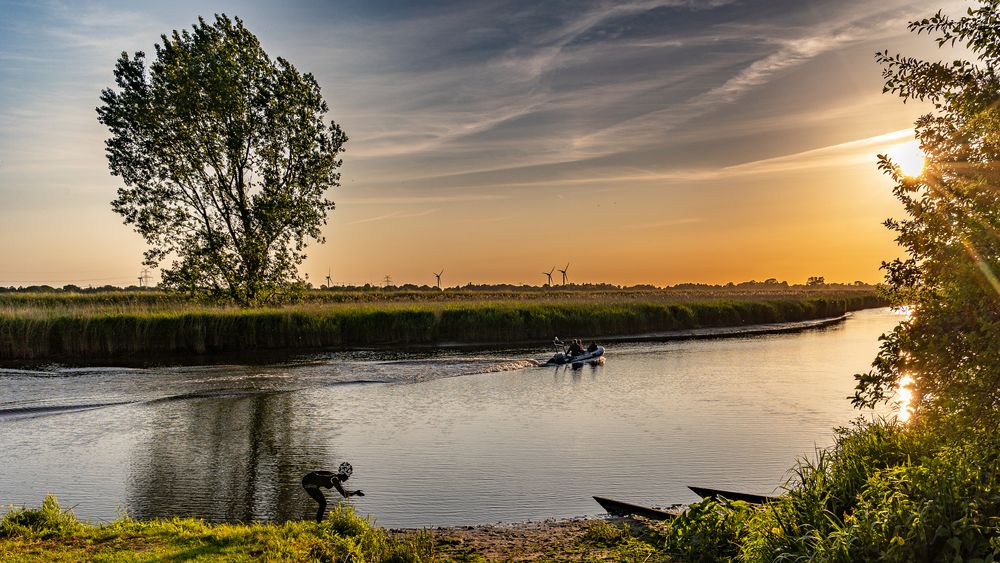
704,492
619,508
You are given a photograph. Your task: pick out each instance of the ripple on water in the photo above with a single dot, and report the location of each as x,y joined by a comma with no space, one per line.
435,438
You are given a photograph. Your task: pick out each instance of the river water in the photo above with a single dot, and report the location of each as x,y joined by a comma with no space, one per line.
435,438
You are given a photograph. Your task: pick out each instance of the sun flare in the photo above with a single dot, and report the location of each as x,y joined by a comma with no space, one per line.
908,157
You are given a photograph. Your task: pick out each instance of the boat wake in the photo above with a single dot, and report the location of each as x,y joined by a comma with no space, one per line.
56,371
511,365
417,370
14,413
55,390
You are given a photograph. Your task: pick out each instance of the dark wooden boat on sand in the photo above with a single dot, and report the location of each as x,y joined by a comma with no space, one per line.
717,494
619,508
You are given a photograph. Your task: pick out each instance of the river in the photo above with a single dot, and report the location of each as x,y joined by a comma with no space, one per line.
436,438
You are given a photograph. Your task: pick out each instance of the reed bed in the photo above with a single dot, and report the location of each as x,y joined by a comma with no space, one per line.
125,325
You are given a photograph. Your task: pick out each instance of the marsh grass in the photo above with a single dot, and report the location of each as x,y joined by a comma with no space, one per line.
116,325
49,533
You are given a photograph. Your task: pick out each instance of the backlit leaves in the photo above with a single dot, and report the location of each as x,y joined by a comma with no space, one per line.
225,159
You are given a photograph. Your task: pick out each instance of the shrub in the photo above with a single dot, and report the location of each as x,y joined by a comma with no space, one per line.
709,531
47,521
605,534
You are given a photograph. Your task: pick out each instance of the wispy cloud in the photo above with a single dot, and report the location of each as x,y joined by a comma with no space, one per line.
859,150
422,200
650,128
461,105
585,88
838,154
393,215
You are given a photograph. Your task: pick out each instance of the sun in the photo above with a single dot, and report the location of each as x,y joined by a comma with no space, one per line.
908,157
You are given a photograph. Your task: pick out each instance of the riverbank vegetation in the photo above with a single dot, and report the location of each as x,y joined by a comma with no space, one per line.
925,489
110,325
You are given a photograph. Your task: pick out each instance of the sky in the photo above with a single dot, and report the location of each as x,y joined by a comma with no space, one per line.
639,141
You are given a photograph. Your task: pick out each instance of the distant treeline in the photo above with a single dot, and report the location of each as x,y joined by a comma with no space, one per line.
39,329
772,283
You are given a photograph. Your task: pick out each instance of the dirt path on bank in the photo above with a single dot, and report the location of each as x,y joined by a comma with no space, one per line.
577,539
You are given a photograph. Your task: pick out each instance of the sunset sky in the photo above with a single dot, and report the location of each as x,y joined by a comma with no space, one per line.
641,141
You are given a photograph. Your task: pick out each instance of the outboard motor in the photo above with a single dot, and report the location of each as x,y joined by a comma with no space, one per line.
560,357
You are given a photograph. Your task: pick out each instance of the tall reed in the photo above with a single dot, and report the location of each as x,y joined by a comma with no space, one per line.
117,329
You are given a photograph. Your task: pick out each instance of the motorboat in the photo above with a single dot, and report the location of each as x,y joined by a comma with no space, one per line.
592,354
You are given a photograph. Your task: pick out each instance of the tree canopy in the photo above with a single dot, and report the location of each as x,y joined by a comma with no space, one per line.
225,159
950,346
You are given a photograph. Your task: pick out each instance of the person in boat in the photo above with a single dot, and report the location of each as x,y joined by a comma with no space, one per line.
575,349
327,479
592,347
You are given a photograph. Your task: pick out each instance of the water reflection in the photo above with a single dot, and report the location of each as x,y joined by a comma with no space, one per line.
235,459
904,391
905,394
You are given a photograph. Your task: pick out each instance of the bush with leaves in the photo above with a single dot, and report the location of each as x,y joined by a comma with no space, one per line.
44,522
950,347
709,531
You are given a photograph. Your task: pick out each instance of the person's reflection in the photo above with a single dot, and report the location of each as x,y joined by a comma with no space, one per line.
225,459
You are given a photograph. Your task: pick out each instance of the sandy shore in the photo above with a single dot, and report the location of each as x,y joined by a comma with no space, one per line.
549,540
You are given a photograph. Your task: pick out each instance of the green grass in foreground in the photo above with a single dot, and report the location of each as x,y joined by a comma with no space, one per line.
50,534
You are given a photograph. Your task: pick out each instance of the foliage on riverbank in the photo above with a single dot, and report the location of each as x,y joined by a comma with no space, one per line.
928,490
884,492
49,533
62,326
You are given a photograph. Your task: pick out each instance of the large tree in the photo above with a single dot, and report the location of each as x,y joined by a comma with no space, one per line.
950,347
225,158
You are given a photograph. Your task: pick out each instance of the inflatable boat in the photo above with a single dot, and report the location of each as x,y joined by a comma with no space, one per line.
561,358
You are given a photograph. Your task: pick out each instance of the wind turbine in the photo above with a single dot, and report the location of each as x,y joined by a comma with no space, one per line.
549,275
438,276
565,277
328,278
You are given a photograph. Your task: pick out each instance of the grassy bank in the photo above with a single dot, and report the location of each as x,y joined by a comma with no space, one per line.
119,325
49,533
